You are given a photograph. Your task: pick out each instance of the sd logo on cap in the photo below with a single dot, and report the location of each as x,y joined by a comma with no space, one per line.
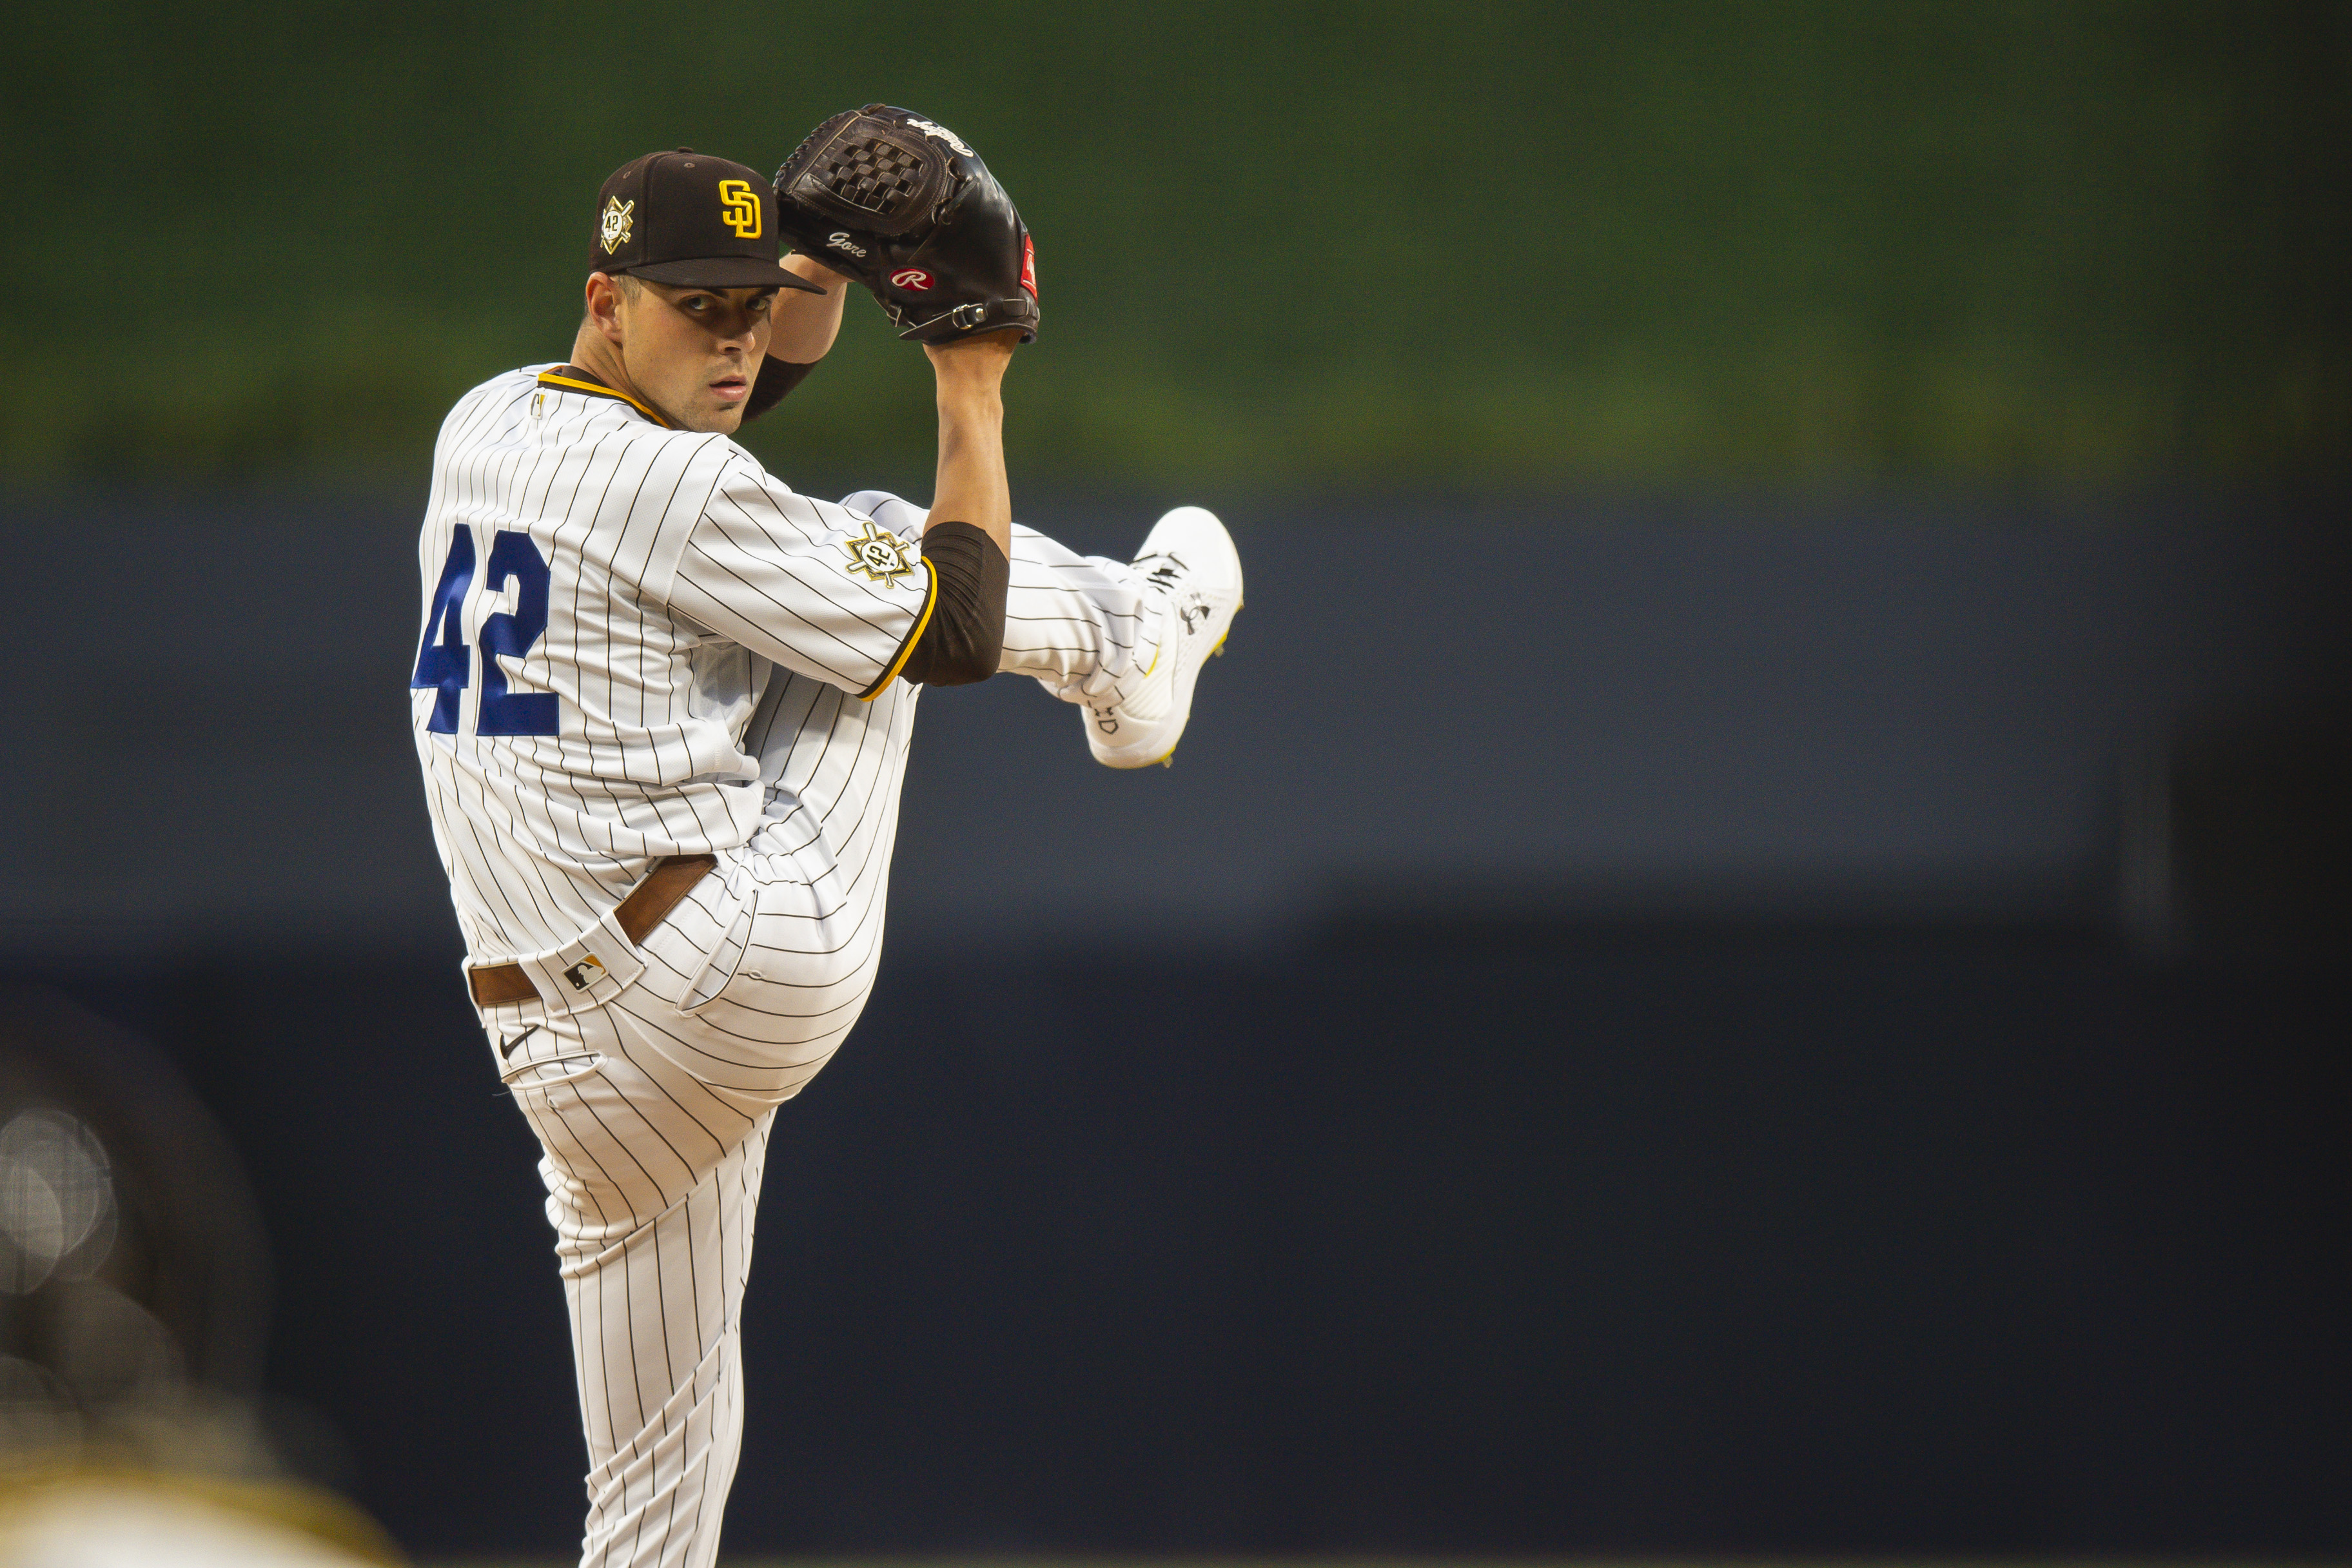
692,221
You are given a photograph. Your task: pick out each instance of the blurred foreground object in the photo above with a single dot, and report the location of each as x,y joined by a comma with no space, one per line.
133,1312
152,1521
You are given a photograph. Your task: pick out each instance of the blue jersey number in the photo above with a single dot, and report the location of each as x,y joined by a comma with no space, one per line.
504,712
442,664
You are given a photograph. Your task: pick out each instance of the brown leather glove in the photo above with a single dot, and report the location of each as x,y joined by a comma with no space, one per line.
904,206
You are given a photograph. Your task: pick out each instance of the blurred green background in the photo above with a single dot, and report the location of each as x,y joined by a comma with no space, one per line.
1297,244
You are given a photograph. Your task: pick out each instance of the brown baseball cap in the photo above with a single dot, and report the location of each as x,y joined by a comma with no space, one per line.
693,221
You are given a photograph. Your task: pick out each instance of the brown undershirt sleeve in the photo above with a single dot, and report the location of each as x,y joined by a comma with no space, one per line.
776,377
965,638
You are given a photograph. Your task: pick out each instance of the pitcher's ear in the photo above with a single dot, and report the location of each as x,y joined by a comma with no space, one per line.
602,307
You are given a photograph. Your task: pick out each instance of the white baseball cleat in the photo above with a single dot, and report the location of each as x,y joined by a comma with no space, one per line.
1189,561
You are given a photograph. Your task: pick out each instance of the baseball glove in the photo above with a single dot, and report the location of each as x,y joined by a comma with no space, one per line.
905,207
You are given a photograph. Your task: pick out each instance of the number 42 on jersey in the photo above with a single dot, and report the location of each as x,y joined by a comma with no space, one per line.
447,664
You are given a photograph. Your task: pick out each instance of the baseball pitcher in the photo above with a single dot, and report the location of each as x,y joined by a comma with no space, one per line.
663,705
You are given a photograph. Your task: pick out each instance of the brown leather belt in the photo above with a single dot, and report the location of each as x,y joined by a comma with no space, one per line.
671,880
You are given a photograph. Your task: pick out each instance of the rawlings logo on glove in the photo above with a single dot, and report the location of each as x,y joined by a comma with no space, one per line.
906,207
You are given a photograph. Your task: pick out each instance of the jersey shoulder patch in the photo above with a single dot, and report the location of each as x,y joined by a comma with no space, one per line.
878,555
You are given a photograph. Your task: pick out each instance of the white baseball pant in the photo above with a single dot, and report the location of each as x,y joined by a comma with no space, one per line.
653,1110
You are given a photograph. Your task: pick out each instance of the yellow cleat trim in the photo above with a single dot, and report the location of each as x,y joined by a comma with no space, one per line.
1168,759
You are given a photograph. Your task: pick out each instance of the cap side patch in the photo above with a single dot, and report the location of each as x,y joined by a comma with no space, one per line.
618,221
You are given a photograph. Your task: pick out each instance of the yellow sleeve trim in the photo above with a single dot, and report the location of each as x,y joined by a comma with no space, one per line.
907,649
597,389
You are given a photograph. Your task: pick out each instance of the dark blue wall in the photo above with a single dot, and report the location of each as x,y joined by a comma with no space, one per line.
1510,1238
1610,1037
1603,705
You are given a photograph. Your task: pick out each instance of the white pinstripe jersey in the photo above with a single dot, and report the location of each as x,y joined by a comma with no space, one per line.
605,600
